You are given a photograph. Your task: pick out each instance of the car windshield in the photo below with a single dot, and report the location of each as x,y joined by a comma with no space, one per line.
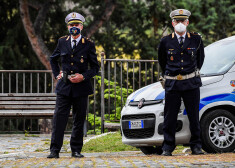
219,57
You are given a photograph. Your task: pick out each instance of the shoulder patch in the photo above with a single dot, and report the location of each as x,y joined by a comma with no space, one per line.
64,36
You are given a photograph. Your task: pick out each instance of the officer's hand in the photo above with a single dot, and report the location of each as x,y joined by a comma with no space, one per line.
59,76
78,78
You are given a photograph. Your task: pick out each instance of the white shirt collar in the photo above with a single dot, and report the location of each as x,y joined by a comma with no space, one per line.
178,36
77,40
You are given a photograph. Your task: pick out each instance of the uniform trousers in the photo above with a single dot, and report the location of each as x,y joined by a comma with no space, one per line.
191,100
60,119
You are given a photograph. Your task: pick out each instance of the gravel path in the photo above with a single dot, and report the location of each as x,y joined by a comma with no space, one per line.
21,151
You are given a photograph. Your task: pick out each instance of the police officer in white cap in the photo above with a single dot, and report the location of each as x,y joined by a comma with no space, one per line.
181,55
73,87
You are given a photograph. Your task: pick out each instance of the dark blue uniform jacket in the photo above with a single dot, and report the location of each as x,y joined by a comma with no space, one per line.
175,60
72,62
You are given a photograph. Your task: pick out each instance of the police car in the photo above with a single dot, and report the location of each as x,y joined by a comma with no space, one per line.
142,117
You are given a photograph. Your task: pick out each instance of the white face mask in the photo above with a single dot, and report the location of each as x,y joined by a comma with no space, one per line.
180,28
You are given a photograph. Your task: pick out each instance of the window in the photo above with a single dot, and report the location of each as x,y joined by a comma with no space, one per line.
219,57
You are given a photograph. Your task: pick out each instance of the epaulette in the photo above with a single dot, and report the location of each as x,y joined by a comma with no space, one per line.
172,35
165,36
64,36
195,33
188,34
89,39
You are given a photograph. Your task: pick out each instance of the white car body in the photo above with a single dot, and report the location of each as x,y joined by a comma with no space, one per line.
217,91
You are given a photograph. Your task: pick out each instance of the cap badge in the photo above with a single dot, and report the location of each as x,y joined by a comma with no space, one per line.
73,15
181,12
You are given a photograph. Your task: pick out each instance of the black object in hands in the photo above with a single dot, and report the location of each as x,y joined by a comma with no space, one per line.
65,76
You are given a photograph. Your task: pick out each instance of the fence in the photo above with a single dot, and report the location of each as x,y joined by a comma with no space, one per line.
132,75
119,78
33,81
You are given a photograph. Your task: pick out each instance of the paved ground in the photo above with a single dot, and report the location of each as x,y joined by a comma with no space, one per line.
21,151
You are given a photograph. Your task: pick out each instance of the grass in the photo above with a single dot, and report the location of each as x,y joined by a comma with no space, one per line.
45,140
179,149
39,150
108,143
31,135
113,143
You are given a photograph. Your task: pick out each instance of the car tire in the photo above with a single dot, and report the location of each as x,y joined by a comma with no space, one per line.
149,150
217,131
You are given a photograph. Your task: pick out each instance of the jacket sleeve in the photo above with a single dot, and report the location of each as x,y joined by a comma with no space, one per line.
94,66
200,55
54,61
162,57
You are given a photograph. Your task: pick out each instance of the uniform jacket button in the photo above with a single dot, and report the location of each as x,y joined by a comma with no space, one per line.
71,63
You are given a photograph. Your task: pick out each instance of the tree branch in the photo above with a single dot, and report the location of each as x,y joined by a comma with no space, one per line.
41,17
110,7
35,5
36,40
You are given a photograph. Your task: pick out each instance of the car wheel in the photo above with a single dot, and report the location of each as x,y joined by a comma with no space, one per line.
218,131
149,150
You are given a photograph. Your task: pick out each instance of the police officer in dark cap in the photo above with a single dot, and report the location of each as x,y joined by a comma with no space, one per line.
75,53
181,55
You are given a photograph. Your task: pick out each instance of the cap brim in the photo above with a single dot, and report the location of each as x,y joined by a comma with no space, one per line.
180,17
74,21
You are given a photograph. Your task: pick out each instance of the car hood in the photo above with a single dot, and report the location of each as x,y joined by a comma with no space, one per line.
207,80
156,92
150,92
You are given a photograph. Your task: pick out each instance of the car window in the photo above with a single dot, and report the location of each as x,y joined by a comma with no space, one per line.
219,57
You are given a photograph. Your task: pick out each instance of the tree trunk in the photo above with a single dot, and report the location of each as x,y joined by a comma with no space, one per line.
34,30
110,6
35,39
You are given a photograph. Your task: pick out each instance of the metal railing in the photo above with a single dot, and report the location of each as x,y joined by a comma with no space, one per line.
123,75
119,78
26,81
34,81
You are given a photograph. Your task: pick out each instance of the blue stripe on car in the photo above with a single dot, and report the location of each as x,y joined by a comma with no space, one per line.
140,91
215,98
160,96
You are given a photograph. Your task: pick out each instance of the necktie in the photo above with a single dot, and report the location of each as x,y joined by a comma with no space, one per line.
74,44
181,42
